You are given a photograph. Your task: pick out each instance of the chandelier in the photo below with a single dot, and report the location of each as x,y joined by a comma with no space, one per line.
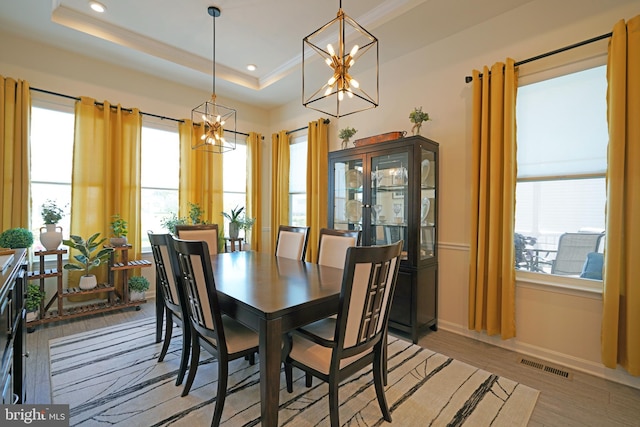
348,50
215,118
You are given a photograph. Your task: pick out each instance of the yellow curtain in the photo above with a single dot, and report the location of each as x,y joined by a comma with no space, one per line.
15,117
493,174
254,192
106,171
317,183
200,176
621,296
279,184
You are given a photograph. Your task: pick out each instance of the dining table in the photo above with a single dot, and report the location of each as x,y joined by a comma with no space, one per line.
273,295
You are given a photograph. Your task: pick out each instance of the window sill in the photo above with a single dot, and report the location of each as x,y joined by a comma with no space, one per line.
560,284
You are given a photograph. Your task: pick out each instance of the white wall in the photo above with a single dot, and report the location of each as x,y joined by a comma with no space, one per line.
561,326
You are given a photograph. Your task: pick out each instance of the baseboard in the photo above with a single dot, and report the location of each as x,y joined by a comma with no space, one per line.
618,375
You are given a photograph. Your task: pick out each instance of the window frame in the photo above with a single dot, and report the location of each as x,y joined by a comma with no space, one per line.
558,66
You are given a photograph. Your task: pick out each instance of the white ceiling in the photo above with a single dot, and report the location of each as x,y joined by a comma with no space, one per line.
173,39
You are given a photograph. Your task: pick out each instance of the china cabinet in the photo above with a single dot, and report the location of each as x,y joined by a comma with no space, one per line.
389,191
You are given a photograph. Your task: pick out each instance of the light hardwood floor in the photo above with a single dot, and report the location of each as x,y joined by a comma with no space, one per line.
583,400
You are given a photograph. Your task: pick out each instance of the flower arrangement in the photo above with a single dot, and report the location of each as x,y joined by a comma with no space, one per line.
418,116
346,133
51,212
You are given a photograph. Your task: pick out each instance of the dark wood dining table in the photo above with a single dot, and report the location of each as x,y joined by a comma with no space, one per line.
273,295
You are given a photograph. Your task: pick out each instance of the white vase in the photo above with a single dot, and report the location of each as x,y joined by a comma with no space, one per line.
136,296
52,237
88,282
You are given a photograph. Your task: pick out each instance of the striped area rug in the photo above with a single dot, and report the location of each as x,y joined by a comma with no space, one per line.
111,377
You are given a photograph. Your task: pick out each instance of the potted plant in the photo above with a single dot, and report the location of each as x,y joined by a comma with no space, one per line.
119,231
16,238
195,216
32,301
417,116
51,233
345,134
237,222
137,287
90,256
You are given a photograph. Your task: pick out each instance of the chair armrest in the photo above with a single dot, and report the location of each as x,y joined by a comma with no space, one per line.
315,338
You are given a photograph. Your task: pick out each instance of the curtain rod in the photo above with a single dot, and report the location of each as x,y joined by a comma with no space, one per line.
126,109
468,79
326,122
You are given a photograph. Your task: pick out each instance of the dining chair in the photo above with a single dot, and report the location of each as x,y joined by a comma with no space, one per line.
292,242
175,305
204,232
333,245
333,349
217,333
573,249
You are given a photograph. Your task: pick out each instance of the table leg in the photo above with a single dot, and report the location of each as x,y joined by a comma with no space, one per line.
270,354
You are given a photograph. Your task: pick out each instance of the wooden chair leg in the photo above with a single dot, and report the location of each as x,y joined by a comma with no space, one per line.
378,379
186,348
195,358
308,380
167,337
223,372
288,374
333,402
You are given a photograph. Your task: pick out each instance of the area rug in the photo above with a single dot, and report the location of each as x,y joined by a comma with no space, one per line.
111,377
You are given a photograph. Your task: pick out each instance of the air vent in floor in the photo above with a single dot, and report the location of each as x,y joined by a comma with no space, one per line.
536,364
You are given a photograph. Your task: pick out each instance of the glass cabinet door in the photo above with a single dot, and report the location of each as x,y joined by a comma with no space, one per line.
427,205
390,199
347,197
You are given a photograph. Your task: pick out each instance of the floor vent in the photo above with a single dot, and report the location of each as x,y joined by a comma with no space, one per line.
545,368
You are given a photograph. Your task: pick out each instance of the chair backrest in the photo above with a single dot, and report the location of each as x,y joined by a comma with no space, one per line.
333,245
204,232
292,242
167,274
368,283
196,274
572,252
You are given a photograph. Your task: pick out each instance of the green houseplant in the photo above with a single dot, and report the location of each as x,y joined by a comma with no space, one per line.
91,255
237,222
137,287
51,233
417,116
345,134
195,216
32,301
51,212
119,231
16,238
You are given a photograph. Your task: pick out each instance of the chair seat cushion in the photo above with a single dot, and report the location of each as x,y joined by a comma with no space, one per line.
239,337
592,268
314,355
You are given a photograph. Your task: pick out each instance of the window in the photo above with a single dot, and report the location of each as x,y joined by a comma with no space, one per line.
562,160
234,170
298,181
159,179
52,127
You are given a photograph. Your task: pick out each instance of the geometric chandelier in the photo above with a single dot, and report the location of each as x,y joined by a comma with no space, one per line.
346,81
214,117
